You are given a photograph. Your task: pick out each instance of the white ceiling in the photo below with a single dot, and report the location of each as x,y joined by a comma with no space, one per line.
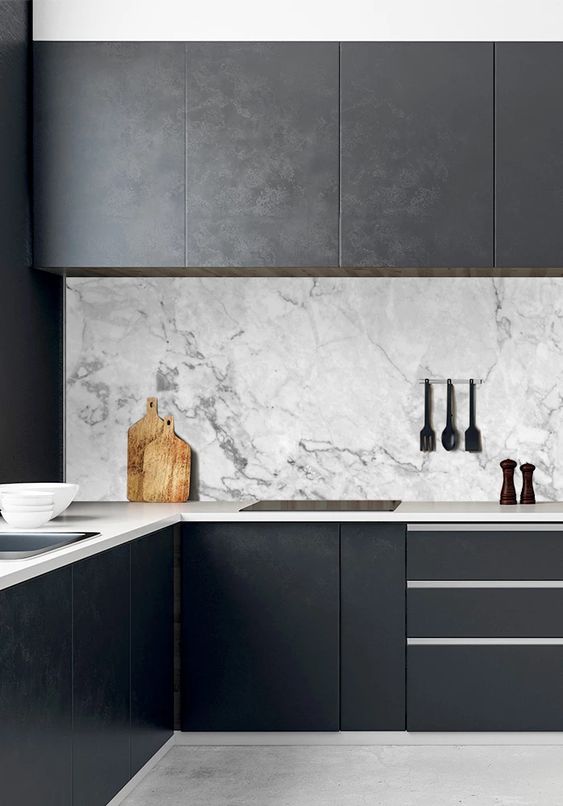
348,20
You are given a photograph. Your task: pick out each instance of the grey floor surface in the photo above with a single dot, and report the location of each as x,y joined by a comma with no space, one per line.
379,776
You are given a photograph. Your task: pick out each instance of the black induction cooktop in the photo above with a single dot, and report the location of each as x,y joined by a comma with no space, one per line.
322,506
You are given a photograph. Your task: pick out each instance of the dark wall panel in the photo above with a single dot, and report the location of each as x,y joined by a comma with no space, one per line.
31,302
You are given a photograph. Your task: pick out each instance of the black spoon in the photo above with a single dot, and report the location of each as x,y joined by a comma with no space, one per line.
449,434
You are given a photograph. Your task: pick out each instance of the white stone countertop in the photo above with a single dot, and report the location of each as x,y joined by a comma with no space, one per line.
121,522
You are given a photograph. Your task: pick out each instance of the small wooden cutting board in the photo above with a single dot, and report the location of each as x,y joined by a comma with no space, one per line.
166,467
141,434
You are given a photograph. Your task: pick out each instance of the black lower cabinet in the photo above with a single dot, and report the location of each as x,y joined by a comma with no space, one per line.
373,642
36,691
101,684
485,688
152,645
260,627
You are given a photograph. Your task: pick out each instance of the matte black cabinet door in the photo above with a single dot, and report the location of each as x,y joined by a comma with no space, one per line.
372,631
260,626
529,157
262,154
101,682
109,153
417,154
36,691
152,645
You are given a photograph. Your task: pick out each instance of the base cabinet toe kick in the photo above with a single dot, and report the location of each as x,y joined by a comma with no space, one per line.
484,628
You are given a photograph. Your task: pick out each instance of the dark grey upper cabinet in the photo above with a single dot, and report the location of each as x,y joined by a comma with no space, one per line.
529,156
262,154
417,154
109,154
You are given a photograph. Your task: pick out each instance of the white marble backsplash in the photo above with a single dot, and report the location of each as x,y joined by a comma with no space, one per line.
306,388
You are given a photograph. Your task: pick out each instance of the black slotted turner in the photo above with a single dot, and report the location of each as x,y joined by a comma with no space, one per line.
427,436
472,435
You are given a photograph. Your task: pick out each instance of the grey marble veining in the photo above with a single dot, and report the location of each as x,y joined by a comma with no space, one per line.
292,388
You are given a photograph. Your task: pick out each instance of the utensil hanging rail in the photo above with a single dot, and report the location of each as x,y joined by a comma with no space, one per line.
453,380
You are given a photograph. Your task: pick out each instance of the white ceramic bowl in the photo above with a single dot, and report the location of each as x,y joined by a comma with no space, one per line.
23,499
25,507
27,520
64,493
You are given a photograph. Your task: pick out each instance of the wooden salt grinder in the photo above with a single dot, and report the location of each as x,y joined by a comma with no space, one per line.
527,495
508,492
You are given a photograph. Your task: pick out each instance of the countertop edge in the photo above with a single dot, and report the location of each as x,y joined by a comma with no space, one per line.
122,522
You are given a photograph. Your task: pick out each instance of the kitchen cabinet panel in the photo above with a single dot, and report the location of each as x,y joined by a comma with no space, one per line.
485,612
31,305
36,691
529,157
417,154
484,554
152,645
484,688
260,631
372,638
109,154
262,154
101,678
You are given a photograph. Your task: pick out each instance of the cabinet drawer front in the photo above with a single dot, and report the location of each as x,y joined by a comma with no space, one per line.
485,612
485,688
484,554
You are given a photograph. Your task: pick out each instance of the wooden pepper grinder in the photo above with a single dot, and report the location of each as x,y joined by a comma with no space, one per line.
527,495
508,492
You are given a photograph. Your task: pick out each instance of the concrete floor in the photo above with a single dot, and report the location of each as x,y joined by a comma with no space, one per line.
342,776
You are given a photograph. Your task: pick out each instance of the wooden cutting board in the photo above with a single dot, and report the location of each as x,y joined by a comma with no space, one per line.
141,434
166,467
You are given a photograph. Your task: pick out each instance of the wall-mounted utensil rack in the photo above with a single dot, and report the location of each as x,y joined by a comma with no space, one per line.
449,434
453,380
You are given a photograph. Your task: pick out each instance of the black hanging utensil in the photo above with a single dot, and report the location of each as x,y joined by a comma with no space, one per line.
449,434
427,435
472,435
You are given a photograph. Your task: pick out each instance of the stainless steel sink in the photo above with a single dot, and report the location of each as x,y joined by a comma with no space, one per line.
20,545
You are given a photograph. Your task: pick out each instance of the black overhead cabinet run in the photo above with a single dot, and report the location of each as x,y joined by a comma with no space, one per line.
216,157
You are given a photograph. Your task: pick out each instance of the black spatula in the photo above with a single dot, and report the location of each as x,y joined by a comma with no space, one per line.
472,435
449,434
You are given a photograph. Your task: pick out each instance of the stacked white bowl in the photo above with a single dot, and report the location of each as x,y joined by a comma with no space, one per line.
27,509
